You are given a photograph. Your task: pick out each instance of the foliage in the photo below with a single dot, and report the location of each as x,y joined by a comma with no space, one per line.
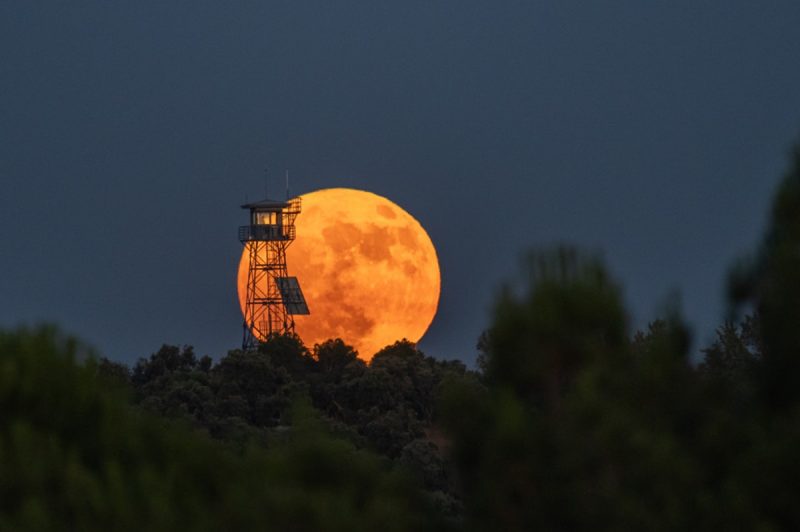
75,456
771,285
574,427
734,359
245,398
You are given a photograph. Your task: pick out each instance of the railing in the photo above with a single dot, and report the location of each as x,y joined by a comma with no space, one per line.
266,232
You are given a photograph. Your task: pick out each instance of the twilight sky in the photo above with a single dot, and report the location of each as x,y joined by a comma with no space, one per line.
130,133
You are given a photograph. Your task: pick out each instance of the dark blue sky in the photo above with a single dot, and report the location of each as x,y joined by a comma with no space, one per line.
130,133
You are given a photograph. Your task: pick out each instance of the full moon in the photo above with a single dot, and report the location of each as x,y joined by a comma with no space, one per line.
367,268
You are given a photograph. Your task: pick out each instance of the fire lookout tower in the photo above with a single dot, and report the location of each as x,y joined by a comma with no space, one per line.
272,297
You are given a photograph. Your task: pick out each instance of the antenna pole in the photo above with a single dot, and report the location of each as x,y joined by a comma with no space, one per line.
287,184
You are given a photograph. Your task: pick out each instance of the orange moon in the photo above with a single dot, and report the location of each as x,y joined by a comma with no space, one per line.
367,268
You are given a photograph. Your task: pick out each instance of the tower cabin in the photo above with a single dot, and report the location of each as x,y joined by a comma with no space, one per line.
268,221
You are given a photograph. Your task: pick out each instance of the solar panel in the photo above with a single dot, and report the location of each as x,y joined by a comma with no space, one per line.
292,296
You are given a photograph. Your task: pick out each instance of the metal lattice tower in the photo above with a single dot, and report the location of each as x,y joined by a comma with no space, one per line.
272,297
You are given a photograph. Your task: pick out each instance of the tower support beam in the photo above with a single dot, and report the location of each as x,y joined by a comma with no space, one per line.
270,232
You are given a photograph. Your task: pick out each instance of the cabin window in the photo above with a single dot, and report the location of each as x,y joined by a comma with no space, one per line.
266,218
